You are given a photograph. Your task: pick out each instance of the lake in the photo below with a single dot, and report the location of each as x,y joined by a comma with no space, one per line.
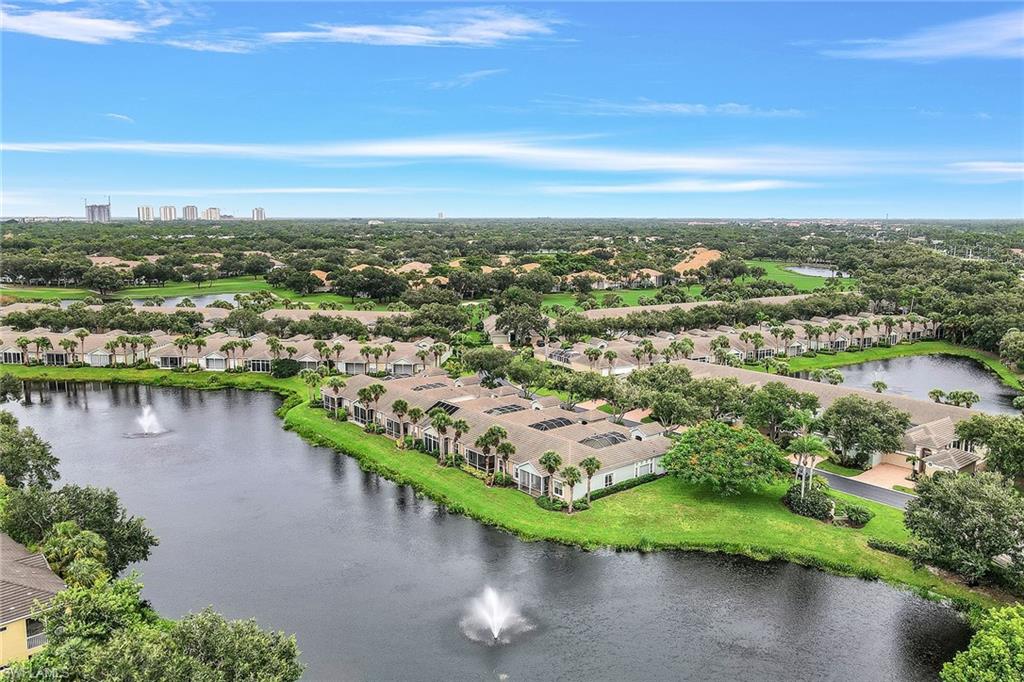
917,374
814,270
374,580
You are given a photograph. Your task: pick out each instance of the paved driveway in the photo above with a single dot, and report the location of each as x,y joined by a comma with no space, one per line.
893,498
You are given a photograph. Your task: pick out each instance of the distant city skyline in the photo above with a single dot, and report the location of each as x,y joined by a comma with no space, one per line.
562,110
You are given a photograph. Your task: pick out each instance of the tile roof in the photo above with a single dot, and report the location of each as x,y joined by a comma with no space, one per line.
24,578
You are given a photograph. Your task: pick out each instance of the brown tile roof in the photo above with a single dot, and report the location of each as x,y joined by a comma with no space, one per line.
24,578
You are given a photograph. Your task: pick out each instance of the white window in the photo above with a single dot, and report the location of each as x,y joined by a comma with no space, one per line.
558,488
644,468
12,357
608,478
216,363
258,365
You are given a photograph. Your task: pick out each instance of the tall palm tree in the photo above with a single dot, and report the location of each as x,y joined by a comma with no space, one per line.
69,346
505,450
335,384
147,342
788,334
23,342
415,415
863,324
244,345
806,448
459,428
182,343
41,343
570,477
81,334
593,354
377,392
200,343
440,421
550,461
376,352
387,349
437,350
275,346
312,379
591,465
337,349
490,439
610,357
400,408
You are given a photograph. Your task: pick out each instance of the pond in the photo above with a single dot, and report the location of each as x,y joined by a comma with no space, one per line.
815,270
374,580
916,375
200,300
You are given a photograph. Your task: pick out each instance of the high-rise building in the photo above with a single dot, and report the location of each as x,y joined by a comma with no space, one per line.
190,213
168,213
259,214
145,214
212,213
98,213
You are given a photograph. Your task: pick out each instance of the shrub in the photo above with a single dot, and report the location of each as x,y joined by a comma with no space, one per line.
816,503
545,502
503,480
624,485
858,516
282,368
454,460
408,442
898,548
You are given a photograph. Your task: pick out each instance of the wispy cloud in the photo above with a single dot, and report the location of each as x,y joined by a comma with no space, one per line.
459,27
80,26
534,152
996,36
464,80
232,191
647,107
682,186
988,171
120,117
224,45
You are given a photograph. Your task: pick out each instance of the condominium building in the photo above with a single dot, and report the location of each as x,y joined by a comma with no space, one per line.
190,213
259,214
145,214
212,213
168,213
98,213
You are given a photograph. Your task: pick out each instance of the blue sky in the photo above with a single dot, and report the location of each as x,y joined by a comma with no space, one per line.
524,109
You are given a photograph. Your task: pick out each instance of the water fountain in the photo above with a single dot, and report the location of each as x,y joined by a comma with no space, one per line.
493,618
149,424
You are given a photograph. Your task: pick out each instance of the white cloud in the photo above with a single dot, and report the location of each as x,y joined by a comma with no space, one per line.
600,107
120,117
994,36
78,26
991,167
514,150
223,45
683,186
464,80
460,27
228,191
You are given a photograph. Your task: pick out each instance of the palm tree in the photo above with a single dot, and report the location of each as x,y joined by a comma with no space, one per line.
459,427
593,355
788,334
437,350
550,461
387,349
337,349
505,450
182,343
415,415
610,357
147,342
400,408
244,345
335,384
320,347
937,394
312,379
863,324
440,421
69,346
490,438
291,351
423,354
133,343
364,352
570,477
685,347
200,343
879,386
377,392
638,355
23,342
80,334
806,448
41,343
591,465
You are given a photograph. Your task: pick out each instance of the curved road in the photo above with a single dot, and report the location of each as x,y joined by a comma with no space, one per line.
893,498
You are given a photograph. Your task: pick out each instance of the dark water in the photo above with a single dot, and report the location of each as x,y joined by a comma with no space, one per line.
200,300
916,375
374,581
814,271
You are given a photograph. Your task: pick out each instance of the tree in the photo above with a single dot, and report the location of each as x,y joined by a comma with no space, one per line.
879,386
769,407
30,513
78,556
520,322
400,408
962,522
10,388
25,458
806,449
722,399
490,439
570,477
859,428
727,460
528,373
491,362
1011,348
590,465
937,394
440,421
996,651
580,386
550,461
102,280
1004,438
962,397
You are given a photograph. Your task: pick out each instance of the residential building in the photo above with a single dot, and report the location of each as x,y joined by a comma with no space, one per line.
534,426
168,213
98,213
212,213
25,578
145,214
259,214
190,213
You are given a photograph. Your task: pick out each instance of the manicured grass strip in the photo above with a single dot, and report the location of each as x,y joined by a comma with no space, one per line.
630,297
838,469
1005,374
778,272
43,293
664,514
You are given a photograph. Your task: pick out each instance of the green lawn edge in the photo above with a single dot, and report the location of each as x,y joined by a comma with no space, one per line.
662,515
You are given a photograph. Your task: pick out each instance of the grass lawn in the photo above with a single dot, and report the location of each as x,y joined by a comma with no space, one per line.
778,272
630,297
989,360
664,514
43,293
838,468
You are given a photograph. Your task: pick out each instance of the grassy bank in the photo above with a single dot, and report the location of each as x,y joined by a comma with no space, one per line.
778,272
630,297
664,514
989,360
